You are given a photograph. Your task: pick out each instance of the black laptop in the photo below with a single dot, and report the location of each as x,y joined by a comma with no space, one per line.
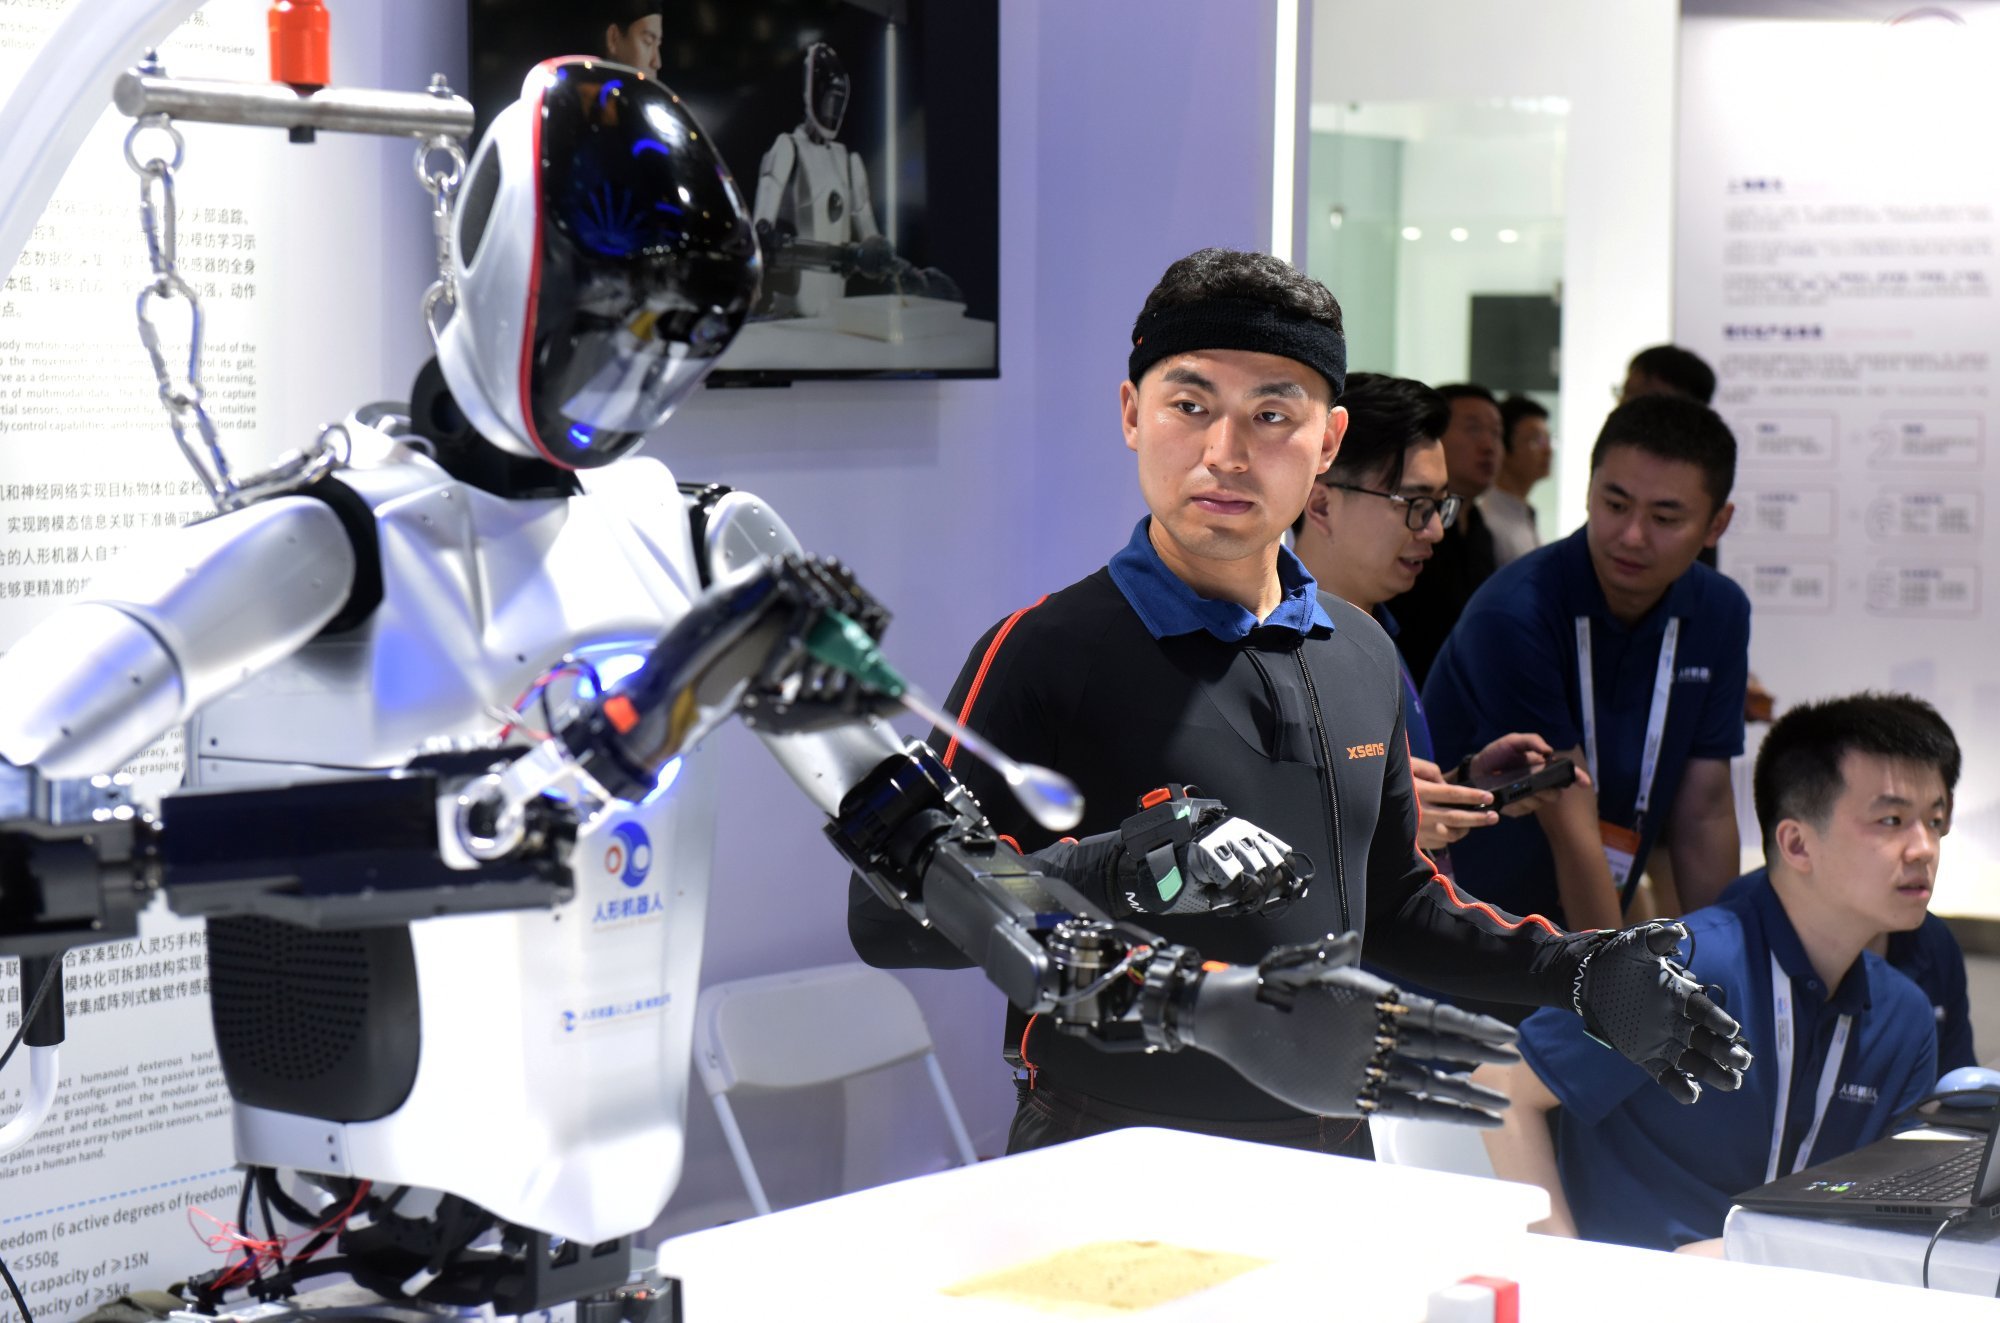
1930,1178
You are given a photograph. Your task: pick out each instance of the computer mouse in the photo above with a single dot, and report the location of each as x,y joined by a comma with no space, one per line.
1970,1086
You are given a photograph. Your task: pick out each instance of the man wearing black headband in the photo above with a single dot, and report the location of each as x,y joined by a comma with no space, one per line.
1203,653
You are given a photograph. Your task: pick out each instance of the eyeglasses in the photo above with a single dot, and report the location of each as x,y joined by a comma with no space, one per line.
1417,510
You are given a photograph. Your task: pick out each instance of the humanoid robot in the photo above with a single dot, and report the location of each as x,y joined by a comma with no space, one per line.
454,939
812,188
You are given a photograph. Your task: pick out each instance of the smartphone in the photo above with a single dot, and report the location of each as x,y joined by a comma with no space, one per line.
1518,783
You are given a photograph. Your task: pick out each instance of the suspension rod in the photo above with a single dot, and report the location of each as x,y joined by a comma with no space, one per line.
437,112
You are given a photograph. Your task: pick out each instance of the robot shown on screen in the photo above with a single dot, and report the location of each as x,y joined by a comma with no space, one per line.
810,181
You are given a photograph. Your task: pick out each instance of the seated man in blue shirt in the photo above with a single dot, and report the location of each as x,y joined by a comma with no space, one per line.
1854,796
1626,655
1929,957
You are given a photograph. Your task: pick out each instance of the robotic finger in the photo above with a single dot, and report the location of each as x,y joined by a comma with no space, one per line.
1452,1034
1414,1090
1407,1107
1427,1045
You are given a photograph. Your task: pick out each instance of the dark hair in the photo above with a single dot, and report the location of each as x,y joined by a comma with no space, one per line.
1676,428
1224,273
1512,410
1798,768
622,14
1678,369
1385,417
1467,390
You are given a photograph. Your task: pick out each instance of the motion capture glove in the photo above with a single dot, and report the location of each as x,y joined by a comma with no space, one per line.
1182,855
1310,1029
1636,999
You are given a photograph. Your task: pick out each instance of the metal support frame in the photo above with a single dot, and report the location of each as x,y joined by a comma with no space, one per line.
430,114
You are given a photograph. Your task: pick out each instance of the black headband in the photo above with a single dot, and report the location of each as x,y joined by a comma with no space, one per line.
1238,324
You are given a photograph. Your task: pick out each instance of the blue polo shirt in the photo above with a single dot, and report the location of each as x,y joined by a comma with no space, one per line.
1929,957
1415,723
1511,664
1641,1169
1167,606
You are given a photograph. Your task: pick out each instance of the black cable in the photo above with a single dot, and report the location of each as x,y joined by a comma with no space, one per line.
1955,1217
268,1176
548,715
289,1208
13,1288
243,1222
49,980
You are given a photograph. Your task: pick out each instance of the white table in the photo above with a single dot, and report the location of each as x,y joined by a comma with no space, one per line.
1967,1257
1349,1240
814,343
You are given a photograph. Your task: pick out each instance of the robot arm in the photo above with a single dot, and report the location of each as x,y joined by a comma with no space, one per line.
772,178
864,200
788,644
167,628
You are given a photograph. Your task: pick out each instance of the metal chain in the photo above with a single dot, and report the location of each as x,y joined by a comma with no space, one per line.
180,395
441,181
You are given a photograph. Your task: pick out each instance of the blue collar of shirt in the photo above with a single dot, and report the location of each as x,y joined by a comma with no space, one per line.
1168,607
1388,622
1587,594
1759,898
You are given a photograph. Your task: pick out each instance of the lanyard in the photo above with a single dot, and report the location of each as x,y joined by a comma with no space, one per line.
1656,723
1781,1008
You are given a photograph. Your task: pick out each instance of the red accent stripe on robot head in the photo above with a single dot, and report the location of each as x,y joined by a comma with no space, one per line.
535,271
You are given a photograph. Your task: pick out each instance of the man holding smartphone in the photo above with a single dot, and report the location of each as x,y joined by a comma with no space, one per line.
1370,526
1631,659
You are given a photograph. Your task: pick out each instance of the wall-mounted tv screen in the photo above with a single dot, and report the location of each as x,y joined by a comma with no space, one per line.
864,135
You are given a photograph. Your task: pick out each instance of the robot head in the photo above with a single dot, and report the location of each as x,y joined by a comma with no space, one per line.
826,91
604,258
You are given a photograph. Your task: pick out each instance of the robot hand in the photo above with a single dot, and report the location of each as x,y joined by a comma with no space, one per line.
1634,997
874,257
937,285
1311,1030
1181,855
790,644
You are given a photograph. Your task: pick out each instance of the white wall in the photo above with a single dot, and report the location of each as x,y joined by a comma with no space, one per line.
1614,61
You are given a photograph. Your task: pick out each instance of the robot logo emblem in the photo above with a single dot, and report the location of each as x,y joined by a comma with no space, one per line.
629,857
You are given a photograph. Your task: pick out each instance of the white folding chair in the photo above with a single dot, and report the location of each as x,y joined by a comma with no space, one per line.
1432,1145
814,1026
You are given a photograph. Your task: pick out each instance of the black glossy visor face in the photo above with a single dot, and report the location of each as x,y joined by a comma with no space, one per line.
648,265
829,90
